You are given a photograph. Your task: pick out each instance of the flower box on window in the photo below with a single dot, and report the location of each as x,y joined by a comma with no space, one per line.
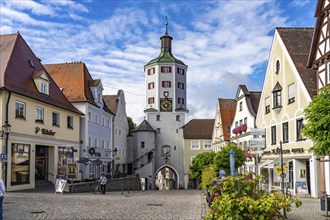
239,130
235,131
244,127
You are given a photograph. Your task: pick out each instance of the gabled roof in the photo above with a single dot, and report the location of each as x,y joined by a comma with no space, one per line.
227,108
18,65
198,129
111,101
298,42
252,99
74,79
144,126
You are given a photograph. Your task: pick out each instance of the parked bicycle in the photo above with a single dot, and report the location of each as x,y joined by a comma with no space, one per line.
97,188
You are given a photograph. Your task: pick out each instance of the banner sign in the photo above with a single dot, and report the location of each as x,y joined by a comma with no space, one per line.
72,171
302,187
278,171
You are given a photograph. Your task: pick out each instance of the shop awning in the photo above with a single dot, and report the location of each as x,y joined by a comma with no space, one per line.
267,164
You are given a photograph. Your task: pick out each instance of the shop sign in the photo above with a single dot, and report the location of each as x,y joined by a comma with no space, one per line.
72,171
45,131
257,152
3,157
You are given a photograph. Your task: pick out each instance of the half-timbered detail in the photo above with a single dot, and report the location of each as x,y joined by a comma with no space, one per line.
319,58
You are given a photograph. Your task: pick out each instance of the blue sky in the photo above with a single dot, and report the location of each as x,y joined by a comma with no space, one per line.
224,43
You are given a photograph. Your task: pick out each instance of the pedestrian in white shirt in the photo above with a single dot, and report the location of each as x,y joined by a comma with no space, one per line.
103,181
2,193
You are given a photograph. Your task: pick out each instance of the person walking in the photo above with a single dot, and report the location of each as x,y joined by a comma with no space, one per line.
103,181
2,193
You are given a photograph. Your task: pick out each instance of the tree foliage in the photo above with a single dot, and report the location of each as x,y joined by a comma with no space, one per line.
240,198
222,158
208,174
317,127
200,162
131,125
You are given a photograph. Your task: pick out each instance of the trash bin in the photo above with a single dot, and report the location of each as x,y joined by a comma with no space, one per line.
323,203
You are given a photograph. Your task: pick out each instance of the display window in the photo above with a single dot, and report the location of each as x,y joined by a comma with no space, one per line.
20,164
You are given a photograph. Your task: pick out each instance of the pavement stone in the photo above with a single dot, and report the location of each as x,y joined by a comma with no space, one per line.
174,204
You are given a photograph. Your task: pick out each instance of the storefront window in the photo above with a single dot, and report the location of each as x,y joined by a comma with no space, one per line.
265,174
20,164
62,161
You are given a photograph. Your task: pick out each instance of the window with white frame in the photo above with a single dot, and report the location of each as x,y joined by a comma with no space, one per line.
285,127
39,115
20,110
277,93
273,133
207,144
151,100
195,145
151,71
151,85
89,116
166,84
291,96
180,71
44,88
157,117
89,141
56,119
70,122
267,105
103,144
240,106
165,69
181,101
300,126
95,119
180,85
95,142
103,121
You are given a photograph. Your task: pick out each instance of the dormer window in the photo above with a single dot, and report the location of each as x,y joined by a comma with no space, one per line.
277,96
41,81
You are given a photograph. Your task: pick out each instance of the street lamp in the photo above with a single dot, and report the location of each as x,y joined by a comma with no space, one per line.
280,151
6,130
114,153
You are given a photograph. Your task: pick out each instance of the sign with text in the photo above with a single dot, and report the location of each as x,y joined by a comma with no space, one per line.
258,131
257,142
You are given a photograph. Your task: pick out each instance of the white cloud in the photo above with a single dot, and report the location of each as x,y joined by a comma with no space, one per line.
222,42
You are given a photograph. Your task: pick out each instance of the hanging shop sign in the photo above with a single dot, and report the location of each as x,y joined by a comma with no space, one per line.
72,171
258,131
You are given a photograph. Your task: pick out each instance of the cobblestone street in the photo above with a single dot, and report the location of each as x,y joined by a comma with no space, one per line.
175,204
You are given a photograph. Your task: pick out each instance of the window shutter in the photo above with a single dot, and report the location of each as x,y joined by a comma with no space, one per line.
162,69
163,83
169,84
182,86
169,69
153,70
148,71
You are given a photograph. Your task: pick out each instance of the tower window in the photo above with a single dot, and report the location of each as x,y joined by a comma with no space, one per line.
180,85
157,117
151,100
166,84
180,71
166,69
178,118
151,71
151,85
181,101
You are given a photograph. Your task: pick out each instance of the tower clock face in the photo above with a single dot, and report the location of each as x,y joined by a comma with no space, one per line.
166,105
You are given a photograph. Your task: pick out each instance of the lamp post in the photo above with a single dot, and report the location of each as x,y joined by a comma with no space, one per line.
283,175
114,162
6,130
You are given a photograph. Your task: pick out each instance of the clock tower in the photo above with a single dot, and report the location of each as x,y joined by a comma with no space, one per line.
166,110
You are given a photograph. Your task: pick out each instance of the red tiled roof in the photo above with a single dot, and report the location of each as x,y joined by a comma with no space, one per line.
227,108
17,72
198,129
298,43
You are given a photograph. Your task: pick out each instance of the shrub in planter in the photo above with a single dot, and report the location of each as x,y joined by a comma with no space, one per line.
241,199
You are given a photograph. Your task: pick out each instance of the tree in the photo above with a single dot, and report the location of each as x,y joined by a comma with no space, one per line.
222,158
209,173
317,128
200,162
131,125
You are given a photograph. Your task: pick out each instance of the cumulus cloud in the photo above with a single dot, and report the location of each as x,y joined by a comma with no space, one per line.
224,43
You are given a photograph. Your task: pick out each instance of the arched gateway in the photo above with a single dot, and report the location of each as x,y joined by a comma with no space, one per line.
166,178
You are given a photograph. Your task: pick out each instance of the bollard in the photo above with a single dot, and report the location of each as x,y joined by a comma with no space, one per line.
128,186
122,187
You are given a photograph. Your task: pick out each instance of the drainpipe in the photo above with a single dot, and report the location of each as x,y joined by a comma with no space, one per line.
7,137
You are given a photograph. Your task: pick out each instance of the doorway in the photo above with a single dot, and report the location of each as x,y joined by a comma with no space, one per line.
166,179
41,165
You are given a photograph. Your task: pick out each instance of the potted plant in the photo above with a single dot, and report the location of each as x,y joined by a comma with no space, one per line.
239,129
235,131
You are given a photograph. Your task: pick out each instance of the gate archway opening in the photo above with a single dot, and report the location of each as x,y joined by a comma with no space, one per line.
166,178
